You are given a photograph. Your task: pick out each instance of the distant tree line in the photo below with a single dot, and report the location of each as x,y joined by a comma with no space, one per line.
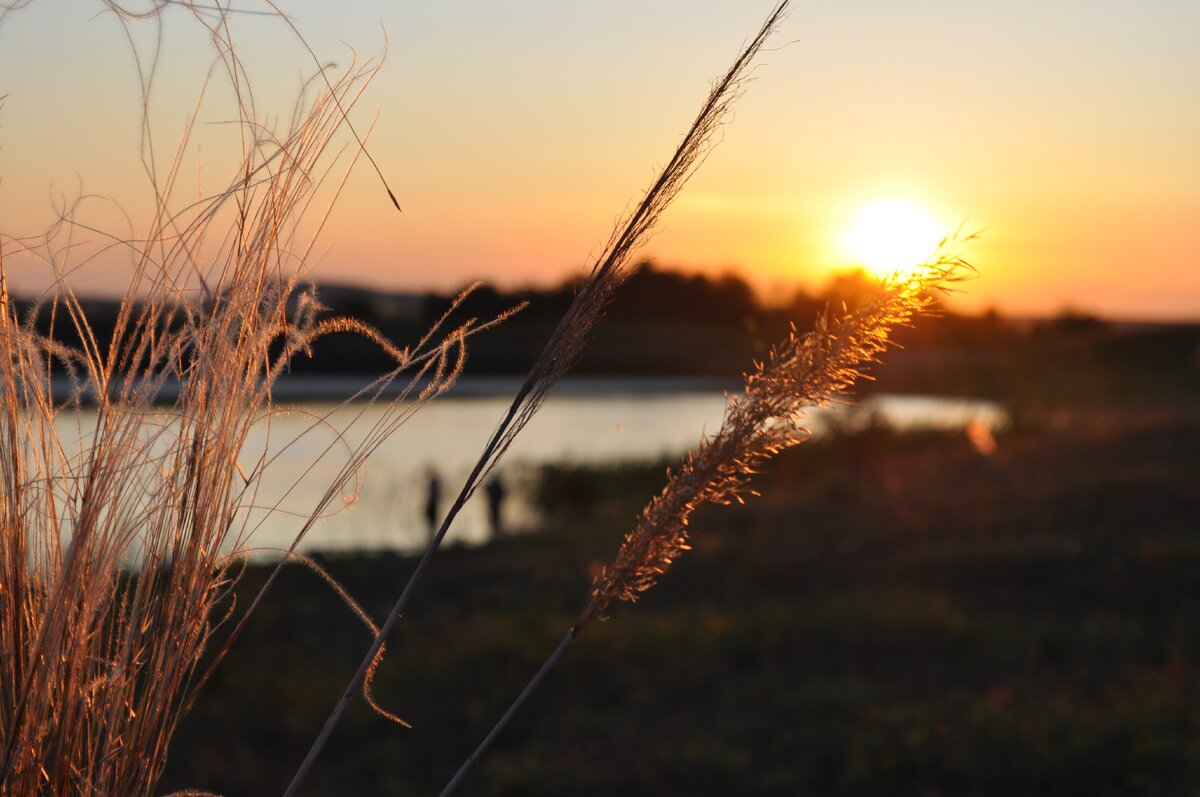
661,322
670,323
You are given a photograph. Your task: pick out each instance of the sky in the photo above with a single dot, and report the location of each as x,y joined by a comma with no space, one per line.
515,134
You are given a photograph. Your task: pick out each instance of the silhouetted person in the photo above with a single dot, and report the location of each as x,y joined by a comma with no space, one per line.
433,497
495,492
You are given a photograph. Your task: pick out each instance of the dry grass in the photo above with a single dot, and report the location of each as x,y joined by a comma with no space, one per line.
562,349
98,665
116,547
801,373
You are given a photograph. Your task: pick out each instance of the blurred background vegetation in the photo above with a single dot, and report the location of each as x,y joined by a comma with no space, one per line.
899,613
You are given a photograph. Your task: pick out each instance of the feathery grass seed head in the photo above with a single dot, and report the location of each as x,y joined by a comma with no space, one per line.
800,373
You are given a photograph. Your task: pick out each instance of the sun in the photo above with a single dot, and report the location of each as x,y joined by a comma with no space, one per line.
892,235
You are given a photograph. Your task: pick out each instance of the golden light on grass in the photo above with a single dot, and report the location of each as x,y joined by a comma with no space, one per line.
892,235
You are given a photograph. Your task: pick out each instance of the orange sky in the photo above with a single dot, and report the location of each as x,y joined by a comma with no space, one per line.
514,134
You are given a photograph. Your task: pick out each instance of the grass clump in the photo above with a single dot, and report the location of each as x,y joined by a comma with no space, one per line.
123,520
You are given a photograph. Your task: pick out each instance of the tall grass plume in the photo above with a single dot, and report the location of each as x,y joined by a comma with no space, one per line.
565,343
801,373
123,520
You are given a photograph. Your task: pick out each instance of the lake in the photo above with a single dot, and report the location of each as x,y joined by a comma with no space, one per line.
584,421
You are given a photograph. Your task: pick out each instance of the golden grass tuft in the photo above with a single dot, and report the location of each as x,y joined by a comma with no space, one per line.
116,549
801,373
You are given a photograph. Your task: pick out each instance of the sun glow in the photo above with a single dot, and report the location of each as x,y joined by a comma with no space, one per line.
892,235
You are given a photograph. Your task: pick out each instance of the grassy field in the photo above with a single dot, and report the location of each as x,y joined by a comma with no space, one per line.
896,615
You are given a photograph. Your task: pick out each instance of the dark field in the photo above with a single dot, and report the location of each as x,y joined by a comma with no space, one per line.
896,615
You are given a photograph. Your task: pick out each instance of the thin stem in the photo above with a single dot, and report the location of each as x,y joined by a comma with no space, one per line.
484,461
360,674
508,715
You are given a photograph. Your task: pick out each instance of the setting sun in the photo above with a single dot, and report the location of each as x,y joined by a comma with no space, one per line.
892,235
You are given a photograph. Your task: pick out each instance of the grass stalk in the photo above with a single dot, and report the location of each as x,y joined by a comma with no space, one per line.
533,684
568,338
802,373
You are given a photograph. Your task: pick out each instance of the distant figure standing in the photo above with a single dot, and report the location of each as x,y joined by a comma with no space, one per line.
495,497
433,498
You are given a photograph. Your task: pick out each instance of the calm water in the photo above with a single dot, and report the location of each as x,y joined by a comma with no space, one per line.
586,422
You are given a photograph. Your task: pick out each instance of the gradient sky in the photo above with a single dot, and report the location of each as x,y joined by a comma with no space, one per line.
515,133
